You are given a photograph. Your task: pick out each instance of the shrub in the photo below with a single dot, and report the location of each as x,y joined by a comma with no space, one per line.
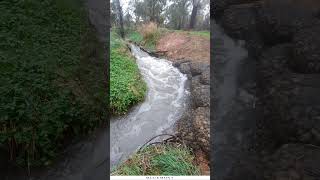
150,34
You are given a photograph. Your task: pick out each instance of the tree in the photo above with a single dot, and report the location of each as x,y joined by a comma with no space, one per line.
177,14
196,6
120,17
150,10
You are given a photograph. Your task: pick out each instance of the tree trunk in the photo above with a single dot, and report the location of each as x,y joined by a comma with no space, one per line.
193,17
120,18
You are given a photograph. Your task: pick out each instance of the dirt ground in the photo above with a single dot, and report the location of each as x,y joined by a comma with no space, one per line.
178,45
203,163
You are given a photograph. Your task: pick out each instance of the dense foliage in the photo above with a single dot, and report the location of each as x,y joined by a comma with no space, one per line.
160,160
52,85
126,85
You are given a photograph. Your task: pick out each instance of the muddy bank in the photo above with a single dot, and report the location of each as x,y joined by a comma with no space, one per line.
283,48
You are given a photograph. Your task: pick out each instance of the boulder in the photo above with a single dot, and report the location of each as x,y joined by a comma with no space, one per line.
307,50
200,95
292,108
219,6
177,63
185,68
240,22
274,62
278,20
205,77
293,162
196,68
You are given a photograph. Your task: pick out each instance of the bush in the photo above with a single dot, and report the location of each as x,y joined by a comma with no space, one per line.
150,34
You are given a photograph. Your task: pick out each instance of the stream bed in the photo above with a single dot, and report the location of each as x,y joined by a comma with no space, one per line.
165,101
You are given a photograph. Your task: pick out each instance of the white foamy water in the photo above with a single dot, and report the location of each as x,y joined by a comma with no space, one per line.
163,106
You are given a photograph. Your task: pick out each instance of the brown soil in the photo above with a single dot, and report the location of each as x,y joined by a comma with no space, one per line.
178,46
202,162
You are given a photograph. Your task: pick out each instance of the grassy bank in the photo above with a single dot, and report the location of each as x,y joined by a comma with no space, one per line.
126,84
52,78
159,160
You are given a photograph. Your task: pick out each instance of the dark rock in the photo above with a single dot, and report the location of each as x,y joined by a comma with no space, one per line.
292,107
278,20
219,6
197,68
293,162
200,95
307,50
205,77
185,68
179,62
274,61
240,22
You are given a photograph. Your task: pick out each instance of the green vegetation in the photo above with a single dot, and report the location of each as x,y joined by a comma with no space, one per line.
163,160
52,78
205,34
148,37
135,36
126,85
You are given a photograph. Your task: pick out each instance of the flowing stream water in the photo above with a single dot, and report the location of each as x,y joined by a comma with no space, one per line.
163,105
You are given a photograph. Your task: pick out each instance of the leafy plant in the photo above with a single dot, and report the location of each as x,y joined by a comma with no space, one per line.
126,85
47,78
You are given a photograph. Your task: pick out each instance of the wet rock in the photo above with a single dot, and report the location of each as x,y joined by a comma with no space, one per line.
196,68
220,6
200,95
277,25
240,22
307,50
293,162
201,124
292,107
177,63
205,77
274,61
185,68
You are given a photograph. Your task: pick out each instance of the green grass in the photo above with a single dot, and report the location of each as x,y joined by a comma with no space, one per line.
205,34
135,36
126,85
160,160
52,78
